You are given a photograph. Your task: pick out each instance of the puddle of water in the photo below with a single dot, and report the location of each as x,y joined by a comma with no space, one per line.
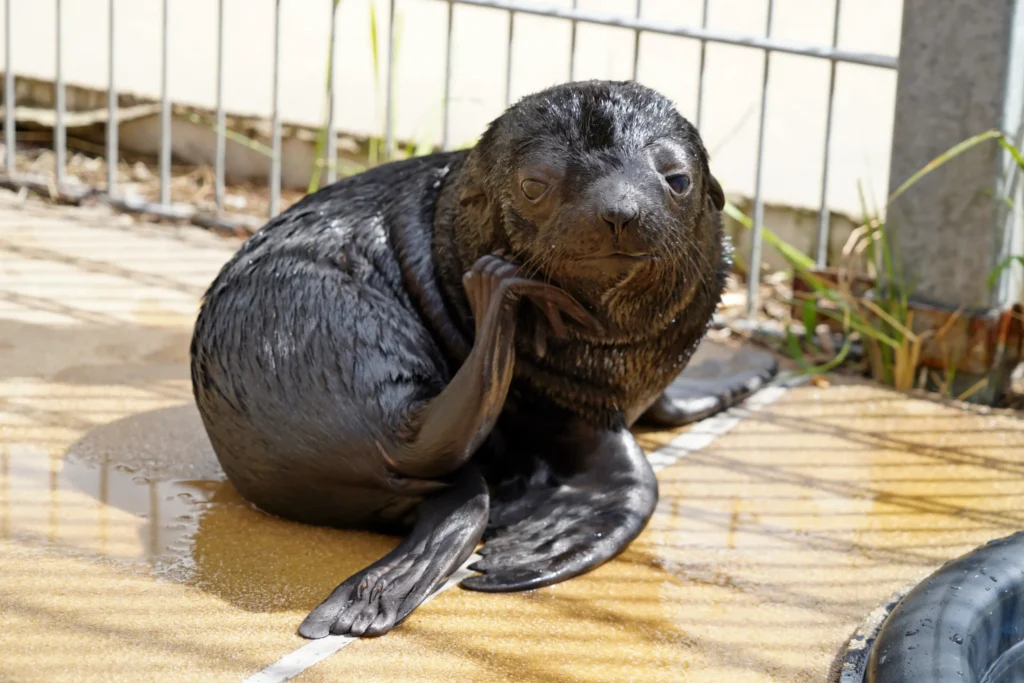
110,512
146,494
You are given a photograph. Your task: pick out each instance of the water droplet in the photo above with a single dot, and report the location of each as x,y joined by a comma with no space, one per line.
185,496
140,480
958,639
913,633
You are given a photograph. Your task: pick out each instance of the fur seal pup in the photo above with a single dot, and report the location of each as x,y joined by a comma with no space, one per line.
454,347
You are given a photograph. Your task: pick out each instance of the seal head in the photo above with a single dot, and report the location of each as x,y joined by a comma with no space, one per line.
604,189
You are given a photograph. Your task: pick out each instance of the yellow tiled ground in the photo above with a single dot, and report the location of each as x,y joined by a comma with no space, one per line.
124,557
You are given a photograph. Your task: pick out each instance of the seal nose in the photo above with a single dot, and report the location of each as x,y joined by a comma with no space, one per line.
620,213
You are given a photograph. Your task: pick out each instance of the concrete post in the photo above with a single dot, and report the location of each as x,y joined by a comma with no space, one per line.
961,72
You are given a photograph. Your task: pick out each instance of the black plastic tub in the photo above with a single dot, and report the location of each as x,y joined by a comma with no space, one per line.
962,624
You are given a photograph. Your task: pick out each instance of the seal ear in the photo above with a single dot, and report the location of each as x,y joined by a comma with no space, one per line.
471,189
471,193
715,193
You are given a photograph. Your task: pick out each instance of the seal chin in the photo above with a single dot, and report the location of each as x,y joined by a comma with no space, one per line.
615,262
621,256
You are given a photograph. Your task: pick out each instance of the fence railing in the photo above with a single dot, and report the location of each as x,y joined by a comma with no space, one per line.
575,15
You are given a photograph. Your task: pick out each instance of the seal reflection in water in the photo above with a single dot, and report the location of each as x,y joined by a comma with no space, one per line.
454,347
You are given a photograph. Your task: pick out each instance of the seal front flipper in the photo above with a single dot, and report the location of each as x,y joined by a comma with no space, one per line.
567,524
443,433
712,385
377,599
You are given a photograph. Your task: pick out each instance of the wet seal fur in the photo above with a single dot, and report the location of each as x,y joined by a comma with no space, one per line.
454,347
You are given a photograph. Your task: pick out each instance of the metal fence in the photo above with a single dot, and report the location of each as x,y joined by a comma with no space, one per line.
575,15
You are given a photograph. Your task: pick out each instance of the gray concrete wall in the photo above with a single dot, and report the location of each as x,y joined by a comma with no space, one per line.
796,108
961,73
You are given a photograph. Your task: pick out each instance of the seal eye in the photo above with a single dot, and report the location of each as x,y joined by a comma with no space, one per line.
679,182
533,189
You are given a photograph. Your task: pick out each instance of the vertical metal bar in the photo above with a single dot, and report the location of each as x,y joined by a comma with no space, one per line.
508,59
59,132
572,44
756,246
331,143
703,54
9,123
275,116
5,468
221,151
54,507
111,107
165,116
445,112
823,212
389,132
154,519
636,41
103,508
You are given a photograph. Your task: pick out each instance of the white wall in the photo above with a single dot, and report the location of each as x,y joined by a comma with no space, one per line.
862,123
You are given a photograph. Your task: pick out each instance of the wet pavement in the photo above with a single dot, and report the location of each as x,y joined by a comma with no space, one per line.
125,556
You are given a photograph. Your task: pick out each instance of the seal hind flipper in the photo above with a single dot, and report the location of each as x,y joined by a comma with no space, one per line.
375,600
568,525
709,387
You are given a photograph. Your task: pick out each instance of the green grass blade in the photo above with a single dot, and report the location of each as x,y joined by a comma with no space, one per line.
374,42
395,51
789,252
951,153
375,142
860,326
794,348
733,212
950,377
1017,155
865,216
321,136
809,311
1003,265
833,363
235,136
